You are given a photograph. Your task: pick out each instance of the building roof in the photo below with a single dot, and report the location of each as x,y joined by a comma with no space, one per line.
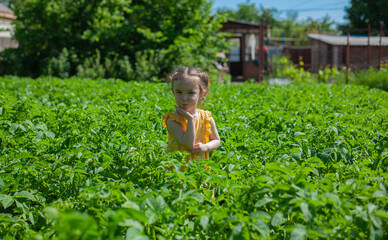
5,9
341,40
5,12
235,26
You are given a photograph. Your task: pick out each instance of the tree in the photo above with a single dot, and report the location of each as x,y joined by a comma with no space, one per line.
150,37
364,12
248,12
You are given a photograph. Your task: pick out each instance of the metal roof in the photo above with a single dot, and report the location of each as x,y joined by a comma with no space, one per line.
5,9
341,40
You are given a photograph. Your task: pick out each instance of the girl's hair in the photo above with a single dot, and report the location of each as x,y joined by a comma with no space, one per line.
183,72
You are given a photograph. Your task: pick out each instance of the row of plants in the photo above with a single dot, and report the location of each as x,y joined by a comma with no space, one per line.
373,78
86,159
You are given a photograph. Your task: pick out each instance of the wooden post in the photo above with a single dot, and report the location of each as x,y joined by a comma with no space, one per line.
261,52
380,48
368,45
347,58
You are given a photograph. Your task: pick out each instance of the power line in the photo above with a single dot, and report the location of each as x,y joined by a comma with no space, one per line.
327,6
301,3
310,9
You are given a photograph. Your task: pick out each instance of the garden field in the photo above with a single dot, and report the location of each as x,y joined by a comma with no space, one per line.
86,159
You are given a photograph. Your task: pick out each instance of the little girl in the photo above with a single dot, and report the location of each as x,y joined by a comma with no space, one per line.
189,128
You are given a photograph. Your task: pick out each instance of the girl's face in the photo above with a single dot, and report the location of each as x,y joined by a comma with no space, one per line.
187,93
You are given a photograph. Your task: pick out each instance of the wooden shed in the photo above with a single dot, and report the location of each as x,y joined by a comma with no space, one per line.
298,54
330,50
243,58
6,28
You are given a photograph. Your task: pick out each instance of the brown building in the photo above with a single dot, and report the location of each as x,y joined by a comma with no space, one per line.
243,57
330,50
6,28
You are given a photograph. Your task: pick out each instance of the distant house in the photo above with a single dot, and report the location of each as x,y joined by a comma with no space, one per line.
6,28
330,50
243,58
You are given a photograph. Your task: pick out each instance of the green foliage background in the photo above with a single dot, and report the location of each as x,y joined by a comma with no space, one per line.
363,12
85,159
115,38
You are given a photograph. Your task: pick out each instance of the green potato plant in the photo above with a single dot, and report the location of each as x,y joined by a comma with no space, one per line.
86,159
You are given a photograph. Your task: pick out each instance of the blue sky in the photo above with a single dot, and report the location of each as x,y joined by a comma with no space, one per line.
315,9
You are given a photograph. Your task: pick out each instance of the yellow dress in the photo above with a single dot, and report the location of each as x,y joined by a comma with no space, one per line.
202,132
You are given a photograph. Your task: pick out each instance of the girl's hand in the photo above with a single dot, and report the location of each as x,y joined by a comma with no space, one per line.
198,147
184,113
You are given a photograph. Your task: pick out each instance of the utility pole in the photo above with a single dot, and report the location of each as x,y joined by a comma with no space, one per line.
368,45
261,52
347,58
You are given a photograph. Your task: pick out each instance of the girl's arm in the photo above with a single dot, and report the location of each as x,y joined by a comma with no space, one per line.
213,144
214,138
185,139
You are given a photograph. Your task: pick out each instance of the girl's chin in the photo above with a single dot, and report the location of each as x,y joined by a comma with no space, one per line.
186,108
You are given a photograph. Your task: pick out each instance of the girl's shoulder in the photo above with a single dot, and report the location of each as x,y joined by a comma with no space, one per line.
175,116
205,114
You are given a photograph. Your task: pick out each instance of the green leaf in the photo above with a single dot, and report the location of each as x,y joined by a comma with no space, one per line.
51,212
14,127
237,230
378,194
315,162
194,195
204,221
161,202
151,215
278,219
177,165
381,213
153,204
131,223
306,211
263,202
299,233
261,226
135,234
8,201
24,194
131,204
31,218
259,214
277,167
230,167
50,135
2,184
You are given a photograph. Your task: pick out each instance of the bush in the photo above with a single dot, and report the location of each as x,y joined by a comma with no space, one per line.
125,71
282,67
11,62
92,67
142,39
372,78
149,64
59,66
